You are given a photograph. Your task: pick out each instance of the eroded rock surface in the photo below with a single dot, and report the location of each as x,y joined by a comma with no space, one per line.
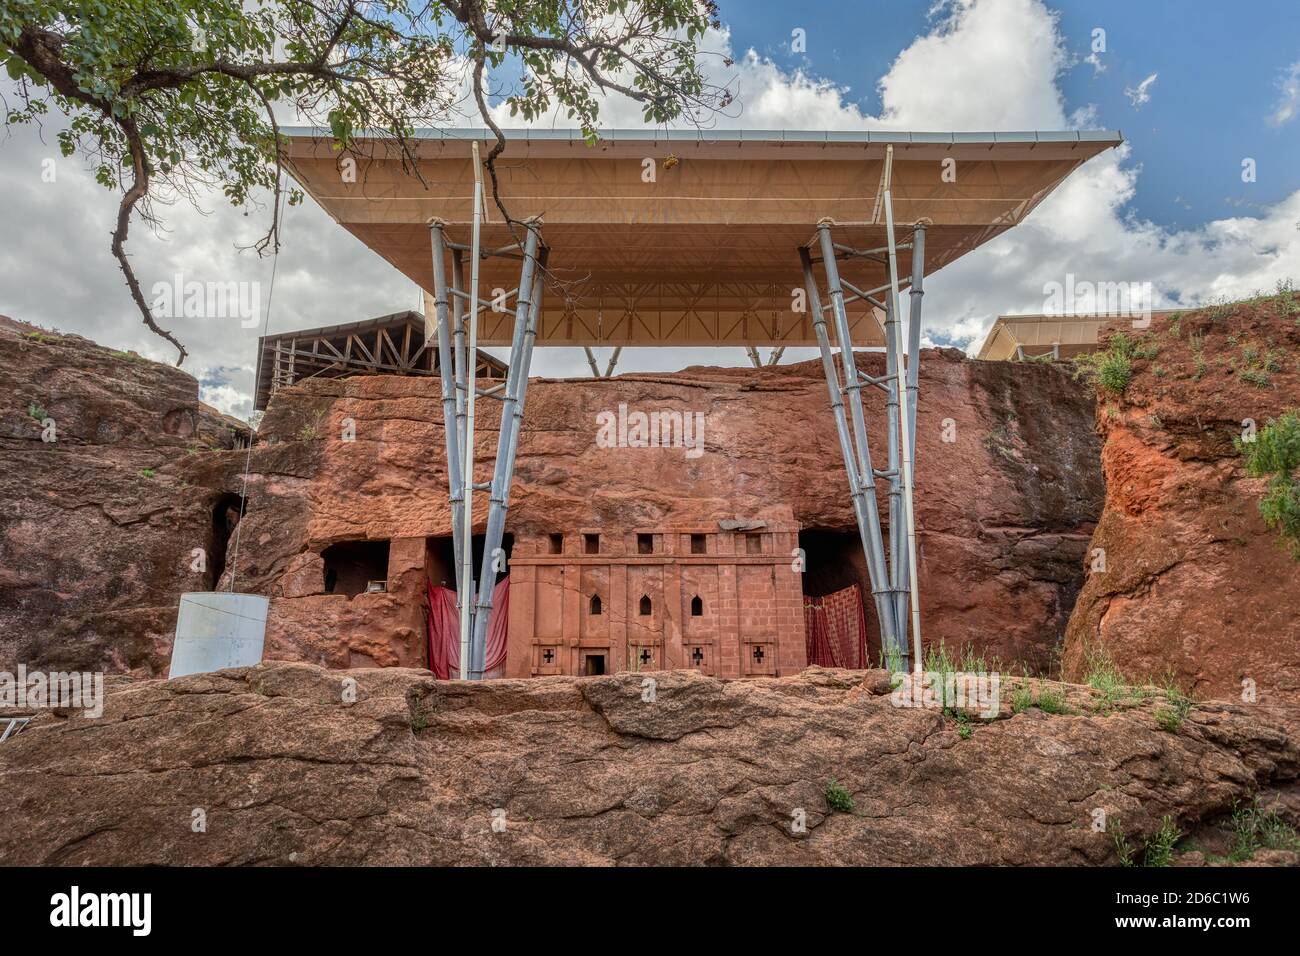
98,522
588,771
98,530
1008,487
1195,586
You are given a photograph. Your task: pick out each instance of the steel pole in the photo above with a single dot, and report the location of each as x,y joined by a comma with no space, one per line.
904,431
504,466
913,364
471,382
897,561
447,378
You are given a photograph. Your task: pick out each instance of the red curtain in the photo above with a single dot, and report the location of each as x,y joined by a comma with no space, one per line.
835,626
444,632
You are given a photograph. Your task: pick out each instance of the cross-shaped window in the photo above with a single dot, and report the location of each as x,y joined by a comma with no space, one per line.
548,655
697,656
645,655
758,654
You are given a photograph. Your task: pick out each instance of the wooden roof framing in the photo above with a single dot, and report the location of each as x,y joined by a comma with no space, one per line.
390,344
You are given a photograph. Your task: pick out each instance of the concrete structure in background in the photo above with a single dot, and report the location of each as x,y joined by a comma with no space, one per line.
1019,337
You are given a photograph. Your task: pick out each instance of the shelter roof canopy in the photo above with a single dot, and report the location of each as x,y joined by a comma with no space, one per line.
688,220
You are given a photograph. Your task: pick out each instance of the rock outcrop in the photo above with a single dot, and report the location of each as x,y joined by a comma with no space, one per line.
1008,488
97,526
98,529
290,763
1195,586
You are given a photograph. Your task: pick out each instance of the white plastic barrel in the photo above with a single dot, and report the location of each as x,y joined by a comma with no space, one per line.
218,629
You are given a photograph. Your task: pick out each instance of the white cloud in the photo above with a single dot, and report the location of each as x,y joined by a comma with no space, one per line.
1288,103
1139,95
984,65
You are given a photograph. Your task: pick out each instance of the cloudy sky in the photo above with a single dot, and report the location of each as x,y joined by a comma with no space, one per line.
1196,96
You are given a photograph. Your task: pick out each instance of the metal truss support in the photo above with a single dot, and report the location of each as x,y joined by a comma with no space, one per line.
609,368
457,358
862,487
893,571
613,362
527,307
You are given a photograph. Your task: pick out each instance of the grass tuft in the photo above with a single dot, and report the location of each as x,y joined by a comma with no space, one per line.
838,797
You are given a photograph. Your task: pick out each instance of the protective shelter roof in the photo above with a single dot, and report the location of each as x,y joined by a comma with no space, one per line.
1015,336
685,237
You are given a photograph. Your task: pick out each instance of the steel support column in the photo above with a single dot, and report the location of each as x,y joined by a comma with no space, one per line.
503,470
916,293
452,411
891,567
864,501
905,432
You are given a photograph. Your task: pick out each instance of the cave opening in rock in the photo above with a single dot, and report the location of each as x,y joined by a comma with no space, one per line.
225,515
440,558
833,562
350,566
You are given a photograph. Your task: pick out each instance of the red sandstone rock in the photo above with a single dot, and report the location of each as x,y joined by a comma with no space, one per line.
586,771
97,527
96,554
1195,585
1004,512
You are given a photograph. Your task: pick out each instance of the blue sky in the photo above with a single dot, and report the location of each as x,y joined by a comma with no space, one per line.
1217,63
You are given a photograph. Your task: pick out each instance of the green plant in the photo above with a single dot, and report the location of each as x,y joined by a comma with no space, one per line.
1255,829
1114,372
1171,717
36,411
1051,701
1286,298
1123,849
420,717
1275,453
1047,700
162,98
1101,674
147,472
1156,850
963,721
838,797
1254,376
1159,849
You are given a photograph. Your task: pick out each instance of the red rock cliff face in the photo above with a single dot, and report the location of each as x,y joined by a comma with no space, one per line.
98,529
97,522
1195,585
1005,509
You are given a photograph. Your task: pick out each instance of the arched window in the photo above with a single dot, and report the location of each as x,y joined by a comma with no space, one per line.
645,604
595,604
697,606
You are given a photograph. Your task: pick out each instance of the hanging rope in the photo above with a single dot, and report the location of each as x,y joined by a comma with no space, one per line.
248,457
